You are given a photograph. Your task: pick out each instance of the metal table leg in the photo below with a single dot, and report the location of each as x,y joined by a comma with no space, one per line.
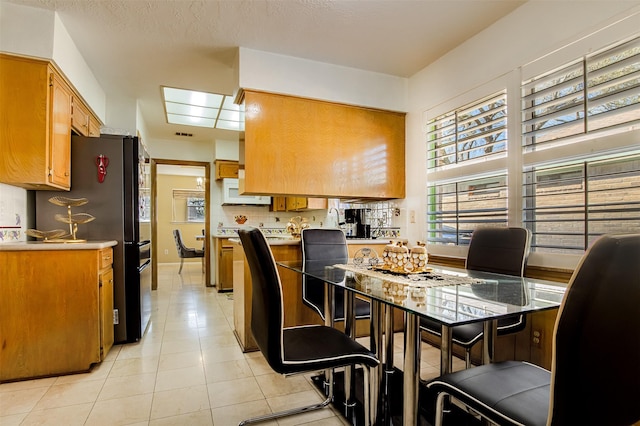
411,375
490,330
445,350
376,347
329,309
349,330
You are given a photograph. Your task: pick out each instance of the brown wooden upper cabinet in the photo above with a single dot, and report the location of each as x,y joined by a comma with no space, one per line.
321,149
297,204
226,169
38,108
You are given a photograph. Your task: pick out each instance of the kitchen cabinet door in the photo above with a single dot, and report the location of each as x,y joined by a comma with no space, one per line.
106,311
37,105
94,127
50,312
315,148
278,204
226,169
298,204
226,269
60,133
79,117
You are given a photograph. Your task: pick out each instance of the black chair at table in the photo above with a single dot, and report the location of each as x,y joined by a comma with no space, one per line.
492,249
299,349
329,246
596,348
185,252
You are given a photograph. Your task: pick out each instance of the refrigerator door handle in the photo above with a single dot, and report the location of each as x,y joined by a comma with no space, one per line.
144,266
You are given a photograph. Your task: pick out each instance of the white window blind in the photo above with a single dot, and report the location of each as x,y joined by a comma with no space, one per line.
188,205
567,207
455,209
596,93
473,131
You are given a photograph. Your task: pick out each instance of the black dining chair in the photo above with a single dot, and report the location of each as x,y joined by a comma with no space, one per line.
500,250
328,245
185,252
301,349
596,347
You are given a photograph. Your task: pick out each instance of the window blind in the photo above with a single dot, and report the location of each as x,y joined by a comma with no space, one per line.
473,131
455,209
598,92
567,207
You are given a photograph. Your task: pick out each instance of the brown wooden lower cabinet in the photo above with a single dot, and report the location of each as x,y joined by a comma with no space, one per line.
224,264
56,311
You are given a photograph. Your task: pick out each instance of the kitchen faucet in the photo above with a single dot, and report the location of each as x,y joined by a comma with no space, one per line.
338,223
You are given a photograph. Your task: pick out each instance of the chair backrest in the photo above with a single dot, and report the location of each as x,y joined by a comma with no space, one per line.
267,318
321,245
499,249
182,249
596,349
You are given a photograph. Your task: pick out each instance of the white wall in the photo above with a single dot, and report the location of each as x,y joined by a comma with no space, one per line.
227,150
494,58
317,80
40,33
26,30
182,150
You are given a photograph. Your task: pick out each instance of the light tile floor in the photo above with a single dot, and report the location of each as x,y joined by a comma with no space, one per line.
187,370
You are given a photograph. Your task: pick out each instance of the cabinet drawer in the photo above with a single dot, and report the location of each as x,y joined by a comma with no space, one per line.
106,258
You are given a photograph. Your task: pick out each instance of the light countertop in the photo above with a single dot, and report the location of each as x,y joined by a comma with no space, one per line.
284,241
40,245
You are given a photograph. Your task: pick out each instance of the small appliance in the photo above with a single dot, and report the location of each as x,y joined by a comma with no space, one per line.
357,223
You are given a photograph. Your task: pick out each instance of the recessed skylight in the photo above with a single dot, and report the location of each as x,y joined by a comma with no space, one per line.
191,108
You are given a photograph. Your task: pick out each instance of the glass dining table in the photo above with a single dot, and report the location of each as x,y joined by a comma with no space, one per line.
449,296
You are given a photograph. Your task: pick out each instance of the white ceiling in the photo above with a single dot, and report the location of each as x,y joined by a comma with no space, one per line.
136,46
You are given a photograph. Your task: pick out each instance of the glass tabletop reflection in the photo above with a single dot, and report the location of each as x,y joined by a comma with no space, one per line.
447,295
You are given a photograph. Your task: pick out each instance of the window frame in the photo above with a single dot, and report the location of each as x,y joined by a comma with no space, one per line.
581,146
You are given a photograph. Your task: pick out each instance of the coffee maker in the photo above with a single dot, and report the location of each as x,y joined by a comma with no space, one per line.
357,223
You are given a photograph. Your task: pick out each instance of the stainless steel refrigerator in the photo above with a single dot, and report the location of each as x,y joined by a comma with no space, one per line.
119,201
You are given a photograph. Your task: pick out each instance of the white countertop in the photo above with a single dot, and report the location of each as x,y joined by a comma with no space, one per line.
40,245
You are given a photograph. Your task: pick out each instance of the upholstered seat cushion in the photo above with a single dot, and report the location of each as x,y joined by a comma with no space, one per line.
320,347
518,390
468,334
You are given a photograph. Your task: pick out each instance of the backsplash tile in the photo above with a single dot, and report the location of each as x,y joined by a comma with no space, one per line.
13,213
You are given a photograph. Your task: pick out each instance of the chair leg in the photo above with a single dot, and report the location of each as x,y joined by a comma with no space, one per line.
181,262
440,401
467,358
291,412
368,406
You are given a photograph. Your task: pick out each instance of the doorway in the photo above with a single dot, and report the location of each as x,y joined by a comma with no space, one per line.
155,242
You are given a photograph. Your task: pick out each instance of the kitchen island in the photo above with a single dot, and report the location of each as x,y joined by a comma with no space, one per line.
56,307
296,312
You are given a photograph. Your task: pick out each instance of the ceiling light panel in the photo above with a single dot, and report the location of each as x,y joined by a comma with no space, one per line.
197,111
192,108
